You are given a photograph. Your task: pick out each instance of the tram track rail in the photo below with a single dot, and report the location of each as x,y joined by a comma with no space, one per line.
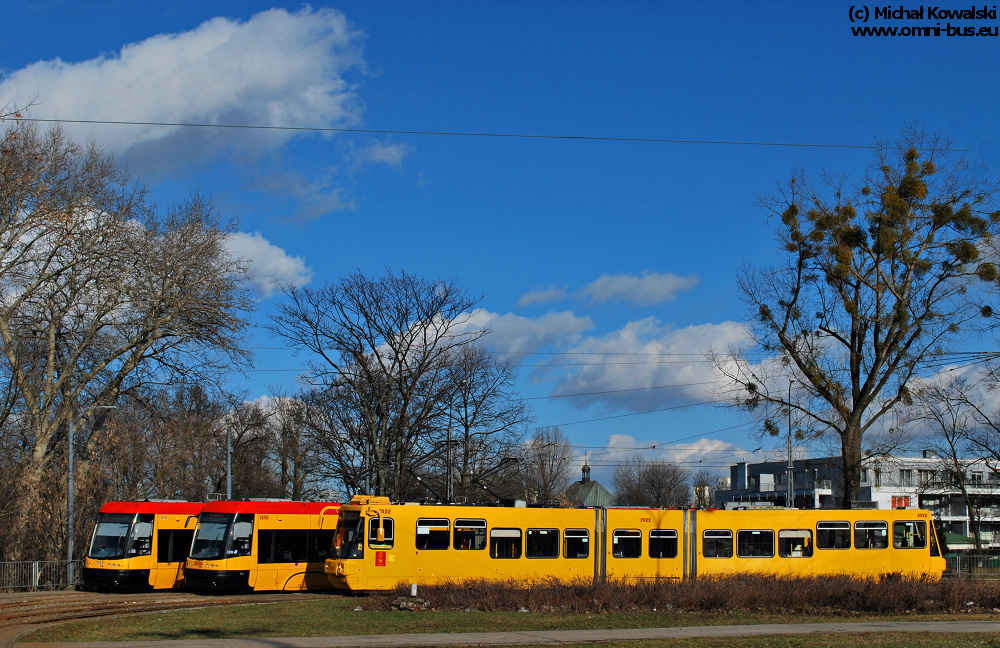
21,612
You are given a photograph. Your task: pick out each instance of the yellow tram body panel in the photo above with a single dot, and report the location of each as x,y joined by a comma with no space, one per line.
262,546
140,545
435,544
379,544
644,543
793,543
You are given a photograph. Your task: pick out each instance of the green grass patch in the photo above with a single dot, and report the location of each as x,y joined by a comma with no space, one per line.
496,606
871,640
338,616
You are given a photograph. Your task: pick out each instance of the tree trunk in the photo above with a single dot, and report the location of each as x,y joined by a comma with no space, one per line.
851,453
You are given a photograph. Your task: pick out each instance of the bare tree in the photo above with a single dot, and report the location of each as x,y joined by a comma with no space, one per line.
339,438
163,443
875,279
944,409
288,433
644,482
379,346
545,465
171,443
101,293
485,419
706,484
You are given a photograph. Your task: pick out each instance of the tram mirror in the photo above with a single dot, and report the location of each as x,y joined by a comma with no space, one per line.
381,531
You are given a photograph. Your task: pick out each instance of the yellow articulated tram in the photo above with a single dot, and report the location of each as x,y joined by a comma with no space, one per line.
258,545
379,545
139,546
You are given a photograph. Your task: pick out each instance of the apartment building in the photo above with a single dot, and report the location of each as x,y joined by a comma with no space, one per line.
926,481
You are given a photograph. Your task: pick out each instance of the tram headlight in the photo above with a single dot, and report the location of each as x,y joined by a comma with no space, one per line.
340,569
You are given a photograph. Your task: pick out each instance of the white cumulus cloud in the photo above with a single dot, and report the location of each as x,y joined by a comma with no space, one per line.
388,154
645,290
691,455
269,265
524,335
657,366
278,68
542,296
622,446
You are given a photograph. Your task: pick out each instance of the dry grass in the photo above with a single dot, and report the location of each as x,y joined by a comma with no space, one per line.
744,593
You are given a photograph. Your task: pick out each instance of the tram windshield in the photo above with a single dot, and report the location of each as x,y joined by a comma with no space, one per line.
111,536
349,541
210,540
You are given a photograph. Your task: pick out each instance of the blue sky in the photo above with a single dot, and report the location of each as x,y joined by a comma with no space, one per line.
583,247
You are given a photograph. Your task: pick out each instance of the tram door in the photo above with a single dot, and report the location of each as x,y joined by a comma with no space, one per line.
172,547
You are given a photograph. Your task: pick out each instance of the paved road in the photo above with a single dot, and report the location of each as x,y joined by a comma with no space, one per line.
543,637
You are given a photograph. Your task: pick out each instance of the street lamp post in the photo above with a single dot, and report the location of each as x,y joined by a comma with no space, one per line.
790,498
70,523
450,489
229,464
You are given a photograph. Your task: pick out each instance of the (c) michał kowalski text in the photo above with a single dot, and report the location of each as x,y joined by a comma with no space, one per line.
934,13
866,13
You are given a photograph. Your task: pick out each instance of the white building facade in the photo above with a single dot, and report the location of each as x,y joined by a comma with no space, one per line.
927,481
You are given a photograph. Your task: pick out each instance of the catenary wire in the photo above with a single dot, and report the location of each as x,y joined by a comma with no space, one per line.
387,131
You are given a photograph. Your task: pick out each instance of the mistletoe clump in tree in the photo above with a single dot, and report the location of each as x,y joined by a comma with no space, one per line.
875,278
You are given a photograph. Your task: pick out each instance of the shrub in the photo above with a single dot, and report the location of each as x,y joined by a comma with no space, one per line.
763,594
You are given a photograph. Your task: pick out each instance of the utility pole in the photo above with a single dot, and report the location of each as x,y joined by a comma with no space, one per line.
368,468
450,490
69,509
229,463
790,498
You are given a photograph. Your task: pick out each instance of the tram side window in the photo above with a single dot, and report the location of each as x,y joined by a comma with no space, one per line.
626,543
833,535
909,535
542,543
387,533
662,543
282,546
795,543
242,541
172,545
319,544
433,533
576,543
871,535
267,547
755,544
470,534
142,536
935,551
505,543
717,543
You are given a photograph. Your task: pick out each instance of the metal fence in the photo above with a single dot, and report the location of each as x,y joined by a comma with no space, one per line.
27,575
982,566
